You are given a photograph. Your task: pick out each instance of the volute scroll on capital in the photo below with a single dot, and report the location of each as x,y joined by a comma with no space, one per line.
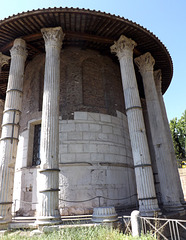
53,36
3,59
19,48
145,62
123,47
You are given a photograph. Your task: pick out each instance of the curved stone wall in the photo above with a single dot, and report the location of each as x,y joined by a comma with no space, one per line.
95,160
95,152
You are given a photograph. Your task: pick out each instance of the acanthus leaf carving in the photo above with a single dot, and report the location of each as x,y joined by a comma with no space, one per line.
145,62
3,59
53,36
19,48
123,47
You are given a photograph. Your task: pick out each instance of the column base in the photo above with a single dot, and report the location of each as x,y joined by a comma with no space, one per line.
104,215
173,208
48,220
150,213
4,223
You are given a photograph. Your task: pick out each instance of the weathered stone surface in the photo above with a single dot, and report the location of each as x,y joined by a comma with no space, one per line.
94,144
182,173
141,156
71,86
10,127
158,83
100,166
166,169
113,153
104,215
48,178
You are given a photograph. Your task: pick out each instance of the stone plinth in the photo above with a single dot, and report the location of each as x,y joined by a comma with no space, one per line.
104,215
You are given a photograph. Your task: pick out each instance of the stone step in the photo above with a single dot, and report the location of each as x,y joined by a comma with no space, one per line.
29,222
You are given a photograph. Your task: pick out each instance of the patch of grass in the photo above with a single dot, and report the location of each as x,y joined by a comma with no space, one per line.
76,233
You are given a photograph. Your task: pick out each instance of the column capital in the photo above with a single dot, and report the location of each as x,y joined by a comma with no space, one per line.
3,59
158,80
19,48
123,47
53,36
145,62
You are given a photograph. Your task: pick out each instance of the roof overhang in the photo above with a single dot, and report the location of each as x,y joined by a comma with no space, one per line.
85,28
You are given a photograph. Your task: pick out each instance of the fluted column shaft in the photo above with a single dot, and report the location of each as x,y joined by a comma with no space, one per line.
48,179
141,156
3,61
2,103
169,190
158,83
10,128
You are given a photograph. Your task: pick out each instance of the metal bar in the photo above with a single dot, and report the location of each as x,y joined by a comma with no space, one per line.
5,138
174,230
143,165
5,124
174,226
140,199
11,109
177,230
15,90
114,199
170,228
145,225
156,230
50,170
179,222
50,190
5,203
134,107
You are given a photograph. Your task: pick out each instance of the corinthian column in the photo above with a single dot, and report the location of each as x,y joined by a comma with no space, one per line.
10,127
1,113
3,61
48,179
169,190
141,156
158,83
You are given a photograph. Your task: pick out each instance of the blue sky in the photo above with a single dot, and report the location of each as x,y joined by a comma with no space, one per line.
165,18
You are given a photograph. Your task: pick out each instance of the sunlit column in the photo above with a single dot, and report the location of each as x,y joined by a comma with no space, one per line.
3,61
158,83
143,170
169,190
10,128
48,179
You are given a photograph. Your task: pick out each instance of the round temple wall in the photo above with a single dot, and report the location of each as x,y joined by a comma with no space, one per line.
95,156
